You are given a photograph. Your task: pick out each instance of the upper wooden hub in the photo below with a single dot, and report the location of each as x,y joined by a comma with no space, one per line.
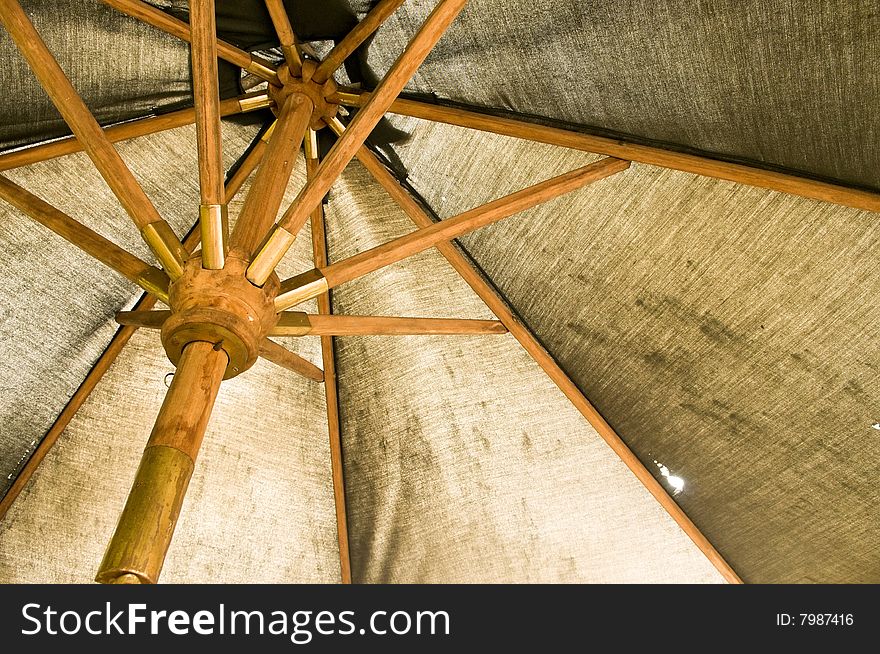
317,93
220,307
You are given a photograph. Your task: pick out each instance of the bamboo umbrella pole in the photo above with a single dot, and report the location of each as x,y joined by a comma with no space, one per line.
147,523
284,233
310,284
328,358
286,35
545,360
129,130
155,231
206,94
689,163
353,40
295,323
148,277
267,190
167,23
250,163
281,356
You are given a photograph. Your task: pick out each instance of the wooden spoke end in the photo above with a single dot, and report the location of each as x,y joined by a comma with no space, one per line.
166,246
214,226
270,255
298,289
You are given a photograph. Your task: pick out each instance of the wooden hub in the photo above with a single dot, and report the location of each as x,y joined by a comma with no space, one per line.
317,93
222,308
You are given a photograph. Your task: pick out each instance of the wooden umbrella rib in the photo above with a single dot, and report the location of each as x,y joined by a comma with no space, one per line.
167,23
353,40
345,148
206,95
281,356
689,163
129,130
307,285
119,178
286,35
149,278
267,190
493,300
328,358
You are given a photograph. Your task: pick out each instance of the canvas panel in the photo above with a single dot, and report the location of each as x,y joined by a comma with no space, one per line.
727,333
720,324
122,68
259,507
768,81
467,480
463,462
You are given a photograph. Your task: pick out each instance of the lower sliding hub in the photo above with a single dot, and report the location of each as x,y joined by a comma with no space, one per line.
220,307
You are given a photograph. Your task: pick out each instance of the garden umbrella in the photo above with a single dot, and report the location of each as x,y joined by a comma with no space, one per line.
649,214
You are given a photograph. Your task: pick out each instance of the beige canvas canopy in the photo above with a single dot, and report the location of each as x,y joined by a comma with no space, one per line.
388,251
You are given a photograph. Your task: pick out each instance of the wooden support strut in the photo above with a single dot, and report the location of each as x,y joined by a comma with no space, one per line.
294,323
281,356
284,233
267,190
353,40
286,35
143,319
149,278
147,523
314,282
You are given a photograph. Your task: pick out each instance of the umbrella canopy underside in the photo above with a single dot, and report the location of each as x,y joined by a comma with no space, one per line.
725,332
